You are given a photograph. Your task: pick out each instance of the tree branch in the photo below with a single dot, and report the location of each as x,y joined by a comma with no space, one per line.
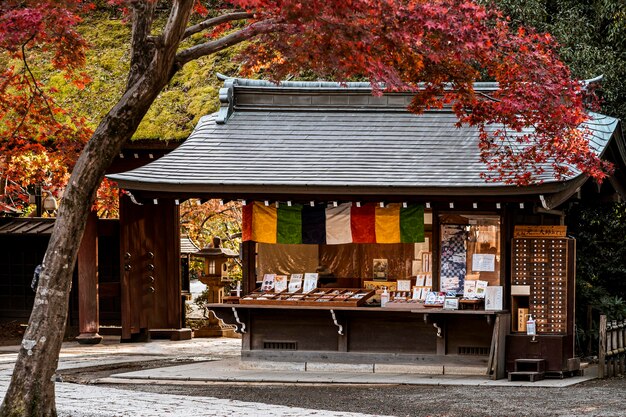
36,91
141,50
227,41
209,23
210,216
174,29
173,33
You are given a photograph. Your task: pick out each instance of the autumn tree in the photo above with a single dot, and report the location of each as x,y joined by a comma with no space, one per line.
436,49
202,221
40,139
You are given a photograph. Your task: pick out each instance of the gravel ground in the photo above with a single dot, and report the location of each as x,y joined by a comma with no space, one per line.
593,398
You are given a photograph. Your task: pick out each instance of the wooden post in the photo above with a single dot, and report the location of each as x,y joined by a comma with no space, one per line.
622,350
88,320
615,350
500,356
602,346
248,262
492,351
589,326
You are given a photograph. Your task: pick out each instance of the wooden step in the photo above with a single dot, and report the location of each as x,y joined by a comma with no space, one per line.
530,365
526,375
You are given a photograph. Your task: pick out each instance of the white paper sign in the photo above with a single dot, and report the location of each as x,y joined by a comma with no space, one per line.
493,298
404,285
416,267
295,284
310,281
484,262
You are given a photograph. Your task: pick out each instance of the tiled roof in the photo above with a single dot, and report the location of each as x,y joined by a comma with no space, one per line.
310,136
187,246
26,226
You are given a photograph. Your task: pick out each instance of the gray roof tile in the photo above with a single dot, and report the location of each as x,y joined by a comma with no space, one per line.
316,146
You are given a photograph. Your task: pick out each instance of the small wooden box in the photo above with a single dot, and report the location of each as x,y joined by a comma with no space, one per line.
522,317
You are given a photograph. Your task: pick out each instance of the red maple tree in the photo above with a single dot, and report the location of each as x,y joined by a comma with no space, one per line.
435,48
41,139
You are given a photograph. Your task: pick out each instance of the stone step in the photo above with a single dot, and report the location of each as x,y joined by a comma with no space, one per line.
526,375
530,365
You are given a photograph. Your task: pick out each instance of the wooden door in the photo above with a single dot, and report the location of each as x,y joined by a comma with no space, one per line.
150,270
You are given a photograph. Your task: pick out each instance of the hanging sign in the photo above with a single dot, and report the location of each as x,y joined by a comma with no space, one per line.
540,231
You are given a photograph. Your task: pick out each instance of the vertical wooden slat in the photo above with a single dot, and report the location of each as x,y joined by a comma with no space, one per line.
248,258
174,305
622,347
614,345
492,350
602,347
138,239
88,318
154,225
125,287
500,357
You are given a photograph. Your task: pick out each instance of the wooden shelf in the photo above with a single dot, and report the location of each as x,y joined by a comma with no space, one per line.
421,310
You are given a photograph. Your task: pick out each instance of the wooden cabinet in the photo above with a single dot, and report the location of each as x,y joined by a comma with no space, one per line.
542,280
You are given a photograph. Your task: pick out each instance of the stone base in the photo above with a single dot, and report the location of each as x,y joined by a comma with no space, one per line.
89,338
216,332
172,334
142,337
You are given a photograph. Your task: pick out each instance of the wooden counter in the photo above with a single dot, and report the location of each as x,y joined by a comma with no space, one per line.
424,336
419,310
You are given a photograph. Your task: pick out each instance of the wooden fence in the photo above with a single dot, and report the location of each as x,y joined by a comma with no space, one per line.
612,348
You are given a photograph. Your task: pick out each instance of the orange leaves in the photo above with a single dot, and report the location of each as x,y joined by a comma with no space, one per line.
200,8
106,204
40,139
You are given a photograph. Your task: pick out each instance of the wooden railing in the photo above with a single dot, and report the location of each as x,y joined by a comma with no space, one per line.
612,348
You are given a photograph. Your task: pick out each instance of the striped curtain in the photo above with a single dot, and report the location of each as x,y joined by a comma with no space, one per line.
331,225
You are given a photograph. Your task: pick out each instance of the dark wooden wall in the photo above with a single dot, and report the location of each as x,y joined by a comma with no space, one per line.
19,255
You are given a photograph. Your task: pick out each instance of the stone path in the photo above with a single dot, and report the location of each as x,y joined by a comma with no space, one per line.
75,400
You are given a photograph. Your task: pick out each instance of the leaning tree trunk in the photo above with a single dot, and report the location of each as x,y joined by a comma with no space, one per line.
31,392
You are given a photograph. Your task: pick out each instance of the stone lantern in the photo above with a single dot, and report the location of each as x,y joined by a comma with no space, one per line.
215,277
215,273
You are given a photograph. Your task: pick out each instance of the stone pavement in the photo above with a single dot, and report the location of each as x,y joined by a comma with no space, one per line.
215,361
233,370
74,400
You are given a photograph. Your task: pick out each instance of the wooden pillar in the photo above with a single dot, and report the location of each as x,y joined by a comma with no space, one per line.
248,263
88,320
602,347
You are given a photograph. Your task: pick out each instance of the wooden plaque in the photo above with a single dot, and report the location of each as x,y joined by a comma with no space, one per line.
540,231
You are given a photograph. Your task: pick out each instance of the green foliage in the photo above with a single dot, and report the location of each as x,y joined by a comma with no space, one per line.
592,35
191,94
600,232
613,307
